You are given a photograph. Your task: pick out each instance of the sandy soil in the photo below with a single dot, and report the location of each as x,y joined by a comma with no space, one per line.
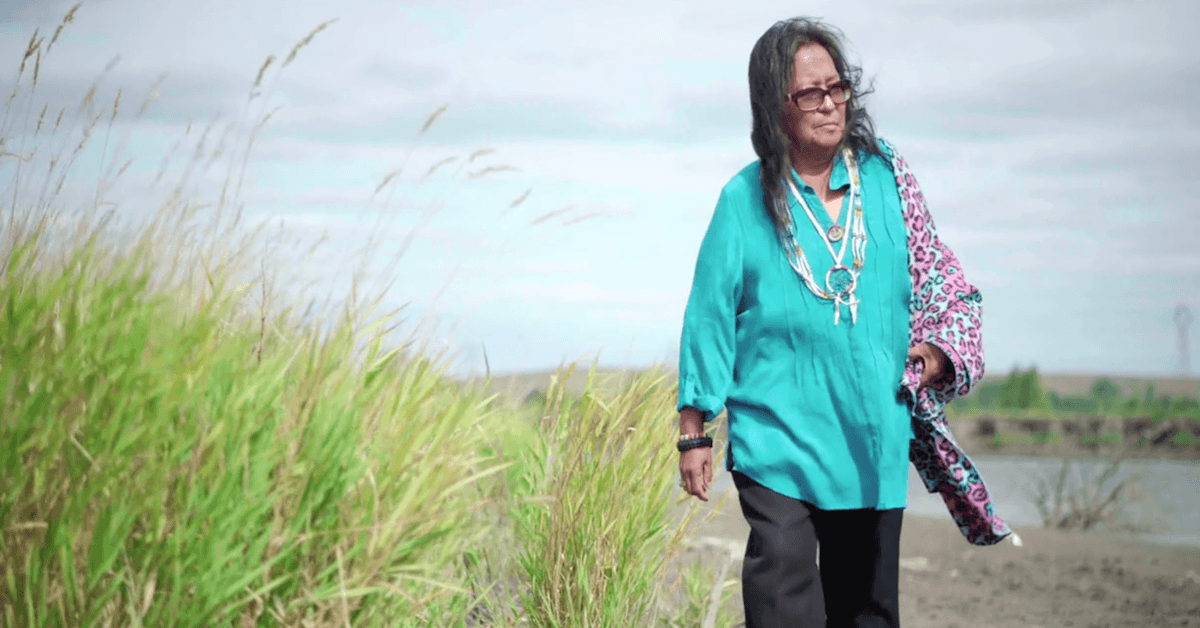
1053,579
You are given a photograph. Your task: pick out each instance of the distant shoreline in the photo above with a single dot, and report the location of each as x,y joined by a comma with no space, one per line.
1111,437
979,432
1060,383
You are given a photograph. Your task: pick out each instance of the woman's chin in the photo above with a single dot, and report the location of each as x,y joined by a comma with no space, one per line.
826,141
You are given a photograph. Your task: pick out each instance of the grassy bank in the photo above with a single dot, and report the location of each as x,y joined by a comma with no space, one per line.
180,446
163,467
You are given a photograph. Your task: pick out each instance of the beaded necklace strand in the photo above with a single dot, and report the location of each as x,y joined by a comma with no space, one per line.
840,281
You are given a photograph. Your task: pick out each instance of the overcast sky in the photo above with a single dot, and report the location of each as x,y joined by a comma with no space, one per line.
1056,142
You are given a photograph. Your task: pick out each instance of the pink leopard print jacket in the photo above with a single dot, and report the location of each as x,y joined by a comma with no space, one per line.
945,312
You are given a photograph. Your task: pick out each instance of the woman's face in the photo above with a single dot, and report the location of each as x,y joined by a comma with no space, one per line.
824,128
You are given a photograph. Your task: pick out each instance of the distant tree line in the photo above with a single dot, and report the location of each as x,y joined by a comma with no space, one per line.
1022,391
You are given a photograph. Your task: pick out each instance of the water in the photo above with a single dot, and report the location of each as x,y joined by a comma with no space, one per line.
1168,500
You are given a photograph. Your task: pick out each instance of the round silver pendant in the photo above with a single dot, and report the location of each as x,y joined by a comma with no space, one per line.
835,233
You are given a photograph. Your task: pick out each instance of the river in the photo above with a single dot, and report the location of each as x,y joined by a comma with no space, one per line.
1166,493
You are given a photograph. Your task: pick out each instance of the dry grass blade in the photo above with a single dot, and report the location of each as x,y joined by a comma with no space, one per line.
437,113
306,40
549,215
386,180
14,156
29,525
67,19
489,170
41,119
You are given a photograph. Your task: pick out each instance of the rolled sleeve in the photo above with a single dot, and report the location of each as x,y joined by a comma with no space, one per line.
708,344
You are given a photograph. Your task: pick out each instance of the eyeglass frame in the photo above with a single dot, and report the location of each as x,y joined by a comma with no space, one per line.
843,86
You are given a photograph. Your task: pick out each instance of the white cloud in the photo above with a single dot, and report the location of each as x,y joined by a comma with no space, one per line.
1054,141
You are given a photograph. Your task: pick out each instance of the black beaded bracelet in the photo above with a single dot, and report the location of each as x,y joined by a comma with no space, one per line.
692,443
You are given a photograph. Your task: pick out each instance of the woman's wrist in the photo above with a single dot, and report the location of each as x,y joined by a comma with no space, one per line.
694,442
691,421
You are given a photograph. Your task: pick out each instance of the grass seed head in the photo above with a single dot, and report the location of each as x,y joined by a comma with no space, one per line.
548,215
439,164
87,98
521,198
480,153
437,113
67,19
262,70
41,119
489,170
30,48
267,117
580,218
116,106
307,39
153,95
386,180
37,65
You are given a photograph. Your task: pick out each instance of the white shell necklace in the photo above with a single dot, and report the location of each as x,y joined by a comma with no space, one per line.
840,281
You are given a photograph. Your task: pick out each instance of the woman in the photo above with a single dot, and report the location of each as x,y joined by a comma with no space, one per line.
831,323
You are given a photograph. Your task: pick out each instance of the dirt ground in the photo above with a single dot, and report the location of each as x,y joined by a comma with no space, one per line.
1054,579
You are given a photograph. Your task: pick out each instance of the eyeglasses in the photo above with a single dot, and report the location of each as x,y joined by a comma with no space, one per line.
810,99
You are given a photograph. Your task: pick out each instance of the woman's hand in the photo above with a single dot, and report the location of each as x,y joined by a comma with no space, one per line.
696,469
937,365
695,465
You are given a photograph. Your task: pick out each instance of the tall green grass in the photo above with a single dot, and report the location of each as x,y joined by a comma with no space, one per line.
174,454
596,549
163,471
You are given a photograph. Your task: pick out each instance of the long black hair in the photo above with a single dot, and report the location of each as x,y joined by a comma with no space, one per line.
771,66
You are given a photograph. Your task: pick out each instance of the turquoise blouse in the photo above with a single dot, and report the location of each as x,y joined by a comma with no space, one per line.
813,408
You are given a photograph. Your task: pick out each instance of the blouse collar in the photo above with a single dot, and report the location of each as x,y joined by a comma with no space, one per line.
839,177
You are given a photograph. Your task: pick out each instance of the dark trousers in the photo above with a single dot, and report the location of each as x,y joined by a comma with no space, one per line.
857,582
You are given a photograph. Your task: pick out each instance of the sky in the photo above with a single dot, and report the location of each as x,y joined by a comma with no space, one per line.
1056,143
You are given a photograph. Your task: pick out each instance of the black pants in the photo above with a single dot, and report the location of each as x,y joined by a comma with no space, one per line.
857,582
